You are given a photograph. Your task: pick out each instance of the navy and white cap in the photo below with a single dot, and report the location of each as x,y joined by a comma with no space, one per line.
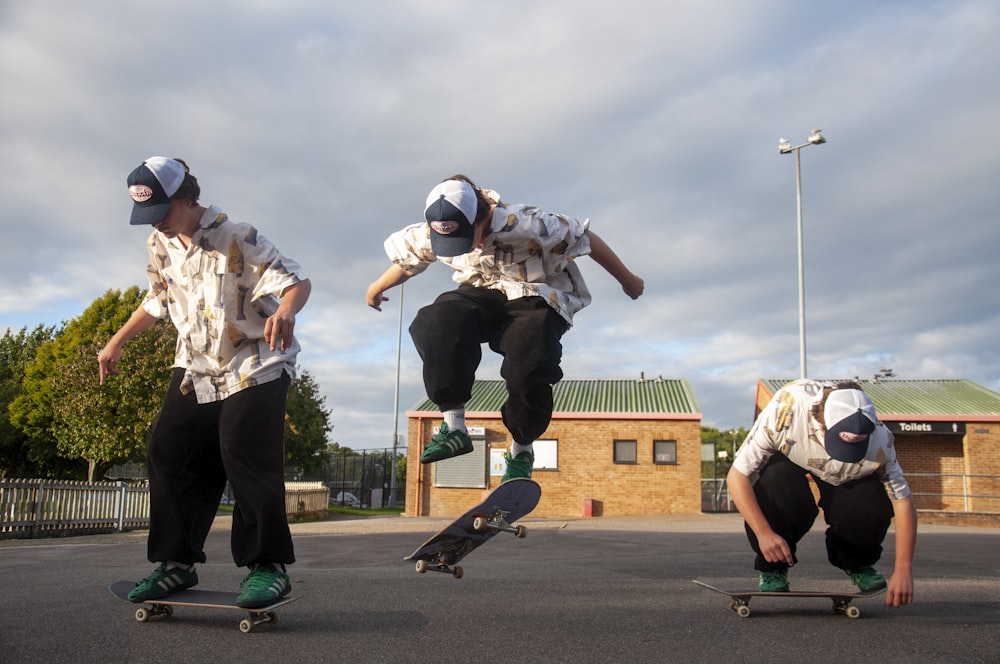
450,211
850,421
151,187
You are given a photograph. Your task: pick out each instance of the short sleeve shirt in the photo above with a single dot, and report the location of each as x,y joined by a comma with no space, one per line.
528,253
218,292
787,426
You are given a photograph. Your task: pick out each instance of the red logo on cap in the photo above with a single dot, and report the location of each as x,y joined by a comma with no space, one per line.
442,227
140,193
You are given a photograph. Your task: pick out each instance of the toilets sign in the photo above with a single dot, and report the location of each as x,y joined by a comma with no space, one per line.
957,428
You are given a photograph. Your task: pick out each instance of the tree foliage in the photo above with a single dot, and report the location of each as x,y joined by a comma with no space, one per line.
307,424
101,424
59,414
21,455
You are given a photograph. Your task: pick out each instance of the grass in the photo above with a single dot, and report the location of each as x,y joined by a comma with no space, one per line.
342,510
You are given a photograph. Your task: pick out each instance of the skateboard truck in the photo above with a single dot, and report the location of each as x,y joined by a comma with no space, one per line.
498,521
440,566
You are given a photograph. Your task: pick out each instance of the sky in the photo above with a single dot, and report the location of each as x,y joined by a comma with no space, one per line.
325,124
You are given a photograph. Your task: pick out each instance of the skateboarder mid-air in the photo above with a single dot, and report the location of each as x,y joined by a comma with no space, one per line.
233,298
832,433
518,291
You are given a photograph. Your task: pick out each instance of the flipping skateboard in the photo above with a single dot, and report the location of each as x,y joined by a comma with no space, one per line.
208,599
841,601
506,504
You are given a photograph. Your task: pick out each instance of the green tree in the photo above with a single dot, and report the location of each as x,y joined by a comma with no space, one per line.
20,454
307,423
728,442
63,402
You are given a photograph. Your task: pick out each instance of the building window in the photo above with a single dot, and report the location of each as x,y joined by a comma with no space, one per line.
665,451
546,454
626,451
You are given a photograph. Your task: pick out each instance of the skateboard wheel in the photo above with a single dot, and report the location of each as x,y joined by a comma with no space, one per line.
743,611
246,625
459,572
272,617
168,610
521,532
852,612
421,566
479,524
142,614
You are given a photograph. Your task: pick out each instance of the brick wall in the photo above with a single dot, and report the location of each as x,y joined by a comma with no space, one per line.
957,464
586,470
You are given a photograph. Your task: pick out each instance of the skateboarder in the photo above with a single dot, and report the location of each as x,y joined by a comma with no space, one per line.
832,433
233,298
519,288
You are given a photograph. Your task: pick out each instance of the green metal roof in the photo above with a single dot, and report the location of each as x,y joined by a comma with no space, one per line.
919,397
648,396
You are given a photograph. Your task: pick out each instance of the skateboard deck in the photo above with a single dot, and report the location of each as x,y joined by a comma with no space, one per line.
506,504
841,601
207,599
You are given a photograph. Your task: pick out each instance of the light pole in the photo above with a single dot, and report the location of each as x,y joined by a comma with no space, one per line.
784,147
395,406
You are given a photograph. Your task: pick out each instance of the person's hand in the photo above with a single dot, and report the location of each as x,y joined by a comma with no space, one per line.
375,297
279,329
107,361
900,590
633,286
775,549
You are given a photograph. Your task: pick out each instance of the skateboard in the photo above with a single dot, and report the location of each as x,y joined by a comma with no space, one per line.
841,601
209,599
506,504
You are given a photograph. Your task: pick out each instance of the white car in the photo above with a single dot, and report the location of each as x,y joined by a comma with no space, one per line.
346,499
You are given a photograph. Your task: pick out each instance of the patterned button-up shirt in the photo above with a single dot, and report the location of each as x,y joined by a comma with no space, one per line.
219,292
528,253
787,426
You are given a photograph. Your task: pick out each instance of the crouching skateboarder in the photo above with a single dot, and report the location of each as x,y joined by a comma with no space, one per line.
832,433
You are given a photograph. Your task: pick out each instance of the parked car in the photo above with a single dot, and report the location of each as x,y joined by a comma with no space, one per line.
347,499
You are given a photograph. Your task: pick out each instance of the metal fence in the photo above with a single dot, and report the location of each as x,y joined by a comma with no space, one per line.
49,508
33,508
715,496
366,476
931,491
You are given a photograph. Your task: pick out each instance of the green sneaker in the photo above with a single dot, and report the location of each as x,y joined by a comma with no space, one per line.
519,466
162,582
446,444
773,582
264,584
867,578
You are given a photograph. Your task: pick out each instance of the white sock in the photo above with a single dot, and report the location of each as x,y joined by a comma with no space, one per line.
172,564
455,419
518,448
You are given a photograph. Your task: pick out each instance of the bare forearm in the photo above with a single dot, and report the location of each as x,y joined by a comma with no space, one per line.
294,297
393,276
905,516
604,256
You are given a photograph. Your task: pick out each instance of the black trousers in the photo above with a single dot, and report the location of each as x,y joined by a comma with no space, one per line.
857,514
193,450
448,335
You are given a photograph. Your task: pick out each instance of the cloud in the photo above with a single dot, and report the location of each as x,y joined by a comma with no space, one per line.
325,124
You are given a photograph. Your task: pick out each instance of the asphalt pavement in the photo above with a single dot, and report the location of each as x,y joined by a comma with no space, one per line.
587,590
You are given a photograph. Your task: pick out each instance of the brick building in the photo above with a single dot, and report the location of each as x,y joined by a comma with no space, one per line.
614,447
947,436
